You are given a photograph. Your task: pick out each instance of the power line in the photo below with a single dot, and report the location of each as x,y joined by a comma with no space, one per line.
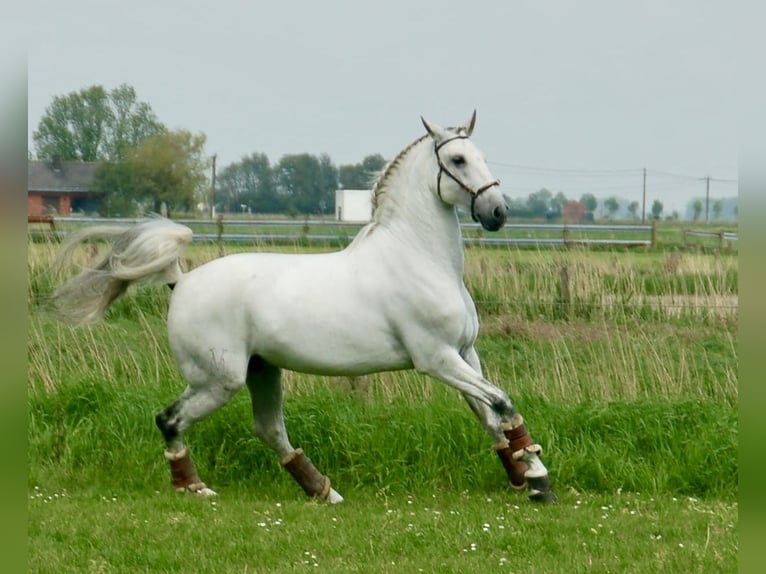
565,171
608,172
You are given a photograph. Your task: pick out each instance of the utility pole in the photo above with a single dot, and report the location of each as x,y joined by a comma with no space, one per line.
707,199
212,190
643,209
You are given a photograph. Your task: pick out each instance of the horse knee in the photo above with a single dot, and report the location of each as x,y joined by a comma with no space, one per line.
167,421
502,405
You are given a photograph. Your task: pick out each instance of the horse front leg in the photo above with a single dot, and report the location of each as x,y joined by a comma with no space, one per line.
518,453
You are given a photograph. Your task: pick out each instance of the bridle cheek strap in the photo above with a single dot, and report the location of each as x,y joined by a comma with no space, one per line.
474,193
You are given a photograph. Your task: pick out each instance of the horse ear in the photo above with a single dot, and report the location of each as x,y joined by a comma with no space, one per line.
433,130
470,124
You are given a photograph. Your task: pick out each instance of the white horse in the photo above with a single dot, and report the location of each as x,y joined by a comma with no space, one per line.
393,299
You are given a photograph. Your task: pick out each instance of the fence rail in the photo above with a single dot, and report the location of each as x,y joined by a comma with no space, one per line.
340,232
723,237
277,231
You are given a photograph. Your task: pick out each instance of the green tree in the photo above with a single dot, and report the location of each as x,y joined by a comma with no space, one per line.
589,201
250,183
633,209
115,181
169,168
696,209
539,202
612,205
717,209
657,208
329,184
558,201
361,175
306,183
95,125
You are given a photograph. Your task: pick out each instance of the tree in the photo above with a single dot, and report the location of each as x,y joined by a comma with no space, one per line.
361,175
168,168
589,201
633,209
249,183
539,202
696,209
717,209
328,176
558,201
612,205
516,207
657,208
95,125
306,183
115,181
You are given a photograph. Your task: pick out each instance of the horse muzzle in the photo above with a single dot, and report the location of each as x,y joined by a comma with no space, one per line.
490,210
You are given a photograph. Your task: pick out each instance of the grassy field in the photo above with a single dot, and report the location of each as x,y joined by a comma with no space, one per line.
624,365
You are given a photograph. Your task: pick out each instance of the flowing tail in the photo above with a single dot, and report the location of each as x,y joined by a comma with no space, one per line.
147,251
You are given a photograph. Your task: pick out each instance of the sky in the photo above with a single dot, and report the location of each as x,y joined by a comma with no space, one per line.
572,96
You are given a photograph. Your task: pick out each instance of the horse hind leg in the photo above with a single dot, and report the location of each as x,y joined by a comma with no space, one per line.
265,386
193,405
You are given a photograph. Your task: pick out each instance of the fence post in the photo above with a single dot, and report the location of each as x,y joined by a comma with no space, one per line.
654,233
219,231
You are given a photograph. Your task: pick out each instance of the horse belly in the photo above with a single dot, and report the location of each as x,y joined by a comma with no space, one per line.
326,346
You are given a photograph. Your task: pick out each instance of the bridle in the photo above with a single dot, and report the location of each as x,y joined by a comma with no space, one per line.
474,193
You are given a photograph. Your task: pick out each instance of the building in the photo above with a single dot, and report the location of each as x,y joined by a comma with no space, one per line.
61,188
353,205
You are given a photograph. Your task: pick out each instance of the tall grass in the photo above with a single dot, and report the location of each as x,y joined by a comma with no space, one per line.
624,366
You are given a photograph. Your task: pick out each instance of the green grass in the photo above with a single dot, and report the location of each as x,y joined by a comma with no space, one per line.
265,530
90,431
630,385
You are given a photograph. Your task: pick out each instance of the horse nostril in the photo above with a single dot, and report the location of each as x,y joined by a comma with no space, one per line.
498,213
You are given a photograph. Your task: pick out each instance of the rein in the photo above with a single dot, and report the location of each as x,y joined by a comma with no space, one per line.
474,193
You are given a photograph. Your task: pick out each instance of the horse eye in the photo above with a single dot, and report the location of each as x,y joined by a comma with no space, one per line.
458,160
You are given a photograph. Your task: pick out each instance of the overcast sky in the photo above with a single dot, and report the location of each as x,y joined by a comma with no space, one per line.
573,96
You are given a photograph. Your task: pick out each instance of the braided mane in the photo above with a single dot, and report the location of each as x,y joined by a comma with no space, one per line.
381,184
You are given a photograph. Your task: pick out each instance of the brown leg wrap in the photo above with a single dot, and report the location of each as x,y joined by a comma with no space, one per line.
183,474
313,482
518,438
515,469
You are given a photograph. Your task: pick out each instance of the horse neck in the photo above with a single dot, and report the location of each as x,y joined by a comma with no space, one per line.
411,211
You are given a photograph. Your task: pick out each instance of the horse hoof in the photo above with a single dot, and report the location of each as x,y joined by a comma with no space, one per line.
544,497
198,490
206,492
333,497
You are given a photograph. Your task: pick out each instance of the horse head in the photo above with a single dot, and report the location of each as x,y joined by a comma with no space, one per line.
468,181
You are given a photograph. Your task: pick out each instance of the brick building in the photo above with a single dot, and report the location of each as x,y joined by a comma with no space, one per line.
61,187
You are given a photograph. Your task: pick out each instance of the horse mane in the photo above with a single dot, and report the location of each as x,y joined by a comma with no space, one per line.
381,184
